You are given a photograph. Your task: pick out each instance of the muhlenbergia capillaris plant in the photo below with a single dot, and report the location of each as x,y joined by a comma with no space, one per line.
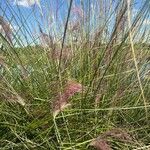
74,74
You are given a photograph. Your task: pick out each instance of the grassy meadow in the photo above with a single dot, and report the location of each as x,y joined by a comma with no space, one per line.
83,84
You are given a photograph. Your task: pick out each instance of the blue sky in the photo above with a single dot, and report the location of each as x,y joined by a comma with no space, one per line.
49,7
30,17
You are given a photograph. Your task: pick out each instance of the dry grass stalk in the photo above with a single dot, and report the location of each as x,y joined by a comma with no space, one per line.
120,23
12,97
6,29
54,52
24,73
67,54
78,15
97,99
2,60
78,11
9,93
45,39
109,48
62,99
74,26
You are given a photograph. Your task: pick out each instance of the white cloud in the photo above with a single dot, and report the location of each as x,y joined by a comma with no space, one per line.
27,3
146,22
